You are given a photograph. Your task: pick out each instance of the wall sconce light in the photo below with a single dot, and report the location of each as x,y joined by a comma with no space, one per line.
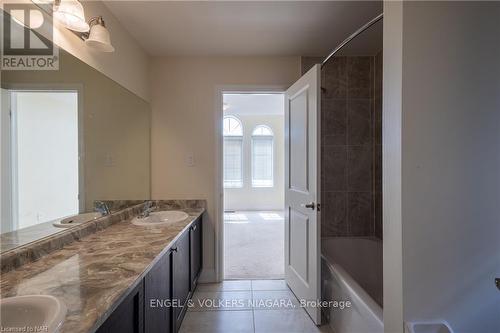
98,36
71,14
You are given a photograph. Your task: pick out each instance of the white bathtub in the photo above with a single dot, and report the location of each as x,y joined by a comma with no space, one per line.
352,271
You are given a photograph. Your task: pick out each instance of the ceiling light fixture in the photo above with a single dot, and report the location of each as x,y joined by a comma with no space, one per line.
71,14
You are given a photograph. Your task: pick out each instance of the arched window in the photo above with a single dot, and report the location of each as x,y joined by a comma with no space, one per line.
262,156
232,126
233,152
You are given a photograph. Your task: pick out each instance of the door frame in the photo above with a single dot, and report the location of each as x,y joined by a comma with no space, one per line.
58,87
5,165
220,90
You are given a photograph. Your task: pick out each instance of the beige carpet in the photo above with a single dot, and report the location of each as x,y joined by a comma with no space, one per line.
254,245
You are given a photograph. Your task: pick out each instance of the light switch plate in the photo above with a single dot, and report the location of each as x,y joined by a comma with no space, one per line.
190,161
109,160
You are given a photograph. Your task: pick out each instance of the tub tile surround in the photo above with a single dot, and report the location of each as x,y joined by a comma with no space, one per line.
93,274
351,134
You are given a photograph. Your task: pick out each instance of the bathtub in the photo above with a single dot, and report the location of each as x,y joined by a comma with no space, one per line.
351,270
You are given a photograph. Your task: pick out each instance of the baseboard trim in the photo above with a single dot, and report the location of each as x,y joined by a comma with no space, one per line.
208,276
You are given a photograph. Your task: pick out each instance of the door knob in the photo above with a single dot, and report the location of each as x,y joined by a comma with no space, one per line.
309,205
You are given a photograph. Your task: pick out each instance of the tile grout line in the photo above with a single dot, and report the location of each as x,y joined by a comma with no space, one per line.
253,320
253,309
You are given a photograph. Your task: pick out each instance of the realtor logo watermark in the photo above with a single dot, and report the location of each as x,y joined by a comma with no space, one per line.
27,36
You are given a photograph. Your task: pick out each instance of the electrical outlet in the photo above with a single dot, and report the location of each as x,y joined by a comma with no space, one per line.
190,161
109,160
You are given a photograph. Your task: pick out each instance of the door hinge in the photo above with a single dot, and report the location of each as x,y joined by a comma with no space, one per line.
318,207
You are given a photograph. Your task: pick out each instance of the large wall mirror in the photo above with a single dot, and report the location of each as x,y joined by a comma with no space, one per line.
69,138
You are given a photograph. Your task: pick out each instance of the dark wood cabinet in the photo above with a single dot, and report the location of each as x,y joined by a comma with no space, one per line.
158,304
196,252
158,296
128,316
181,283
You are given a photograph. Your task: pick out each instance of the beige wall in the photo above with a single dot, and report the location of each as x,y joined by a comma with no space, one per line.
391,167
128,65
259,198
183,91
116,123
442,162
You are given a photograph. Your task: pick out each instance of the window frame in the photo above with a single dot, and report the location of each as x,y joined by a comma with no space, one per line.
255,137
230,116
233,137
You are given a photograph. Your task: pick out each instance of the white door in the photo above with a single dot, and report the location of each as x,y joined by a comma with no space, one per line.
45,132
302,177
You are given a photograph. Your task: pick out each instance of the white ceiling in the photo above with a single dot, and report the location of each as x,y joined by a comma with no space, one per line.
254,104
243,28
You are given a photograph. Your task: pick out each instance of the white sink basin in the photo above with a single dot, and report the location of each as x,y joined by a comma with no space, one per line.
31,312
76,219
161,218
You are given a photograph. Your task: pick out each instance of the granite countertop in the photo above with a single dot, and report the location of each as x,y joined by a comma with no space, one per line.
16,238
13,239
92,275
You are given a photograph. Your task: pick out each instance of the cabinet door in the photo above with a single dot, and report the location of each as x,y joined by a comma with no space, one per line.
182,283
158,295
128,317
196,256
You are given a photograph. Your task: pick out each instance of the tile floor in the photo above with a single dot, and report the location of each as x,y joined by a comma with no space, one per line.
254,245
253,306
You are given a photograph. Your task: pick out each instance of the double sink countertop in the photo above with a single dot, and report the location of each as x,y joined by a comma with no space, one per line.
92,275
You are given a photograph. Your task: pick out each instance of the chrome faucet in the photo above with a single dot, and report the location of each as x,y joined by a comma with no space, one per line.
148,208
101,207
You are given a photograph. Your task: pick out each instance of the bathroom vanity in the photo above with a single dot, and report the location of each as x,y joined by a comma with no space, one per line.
113,275
158,303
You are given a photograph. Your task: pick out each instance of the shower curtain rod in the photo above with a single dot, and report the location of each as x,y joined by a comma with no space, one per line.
351,37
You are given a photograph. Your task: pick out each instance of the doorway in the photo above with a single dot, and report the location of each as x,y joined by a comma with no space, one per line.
41,152
253,185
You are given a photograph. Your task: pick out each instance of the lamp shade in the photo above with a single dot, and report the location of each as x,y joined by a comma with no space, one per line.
70,13
99,39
